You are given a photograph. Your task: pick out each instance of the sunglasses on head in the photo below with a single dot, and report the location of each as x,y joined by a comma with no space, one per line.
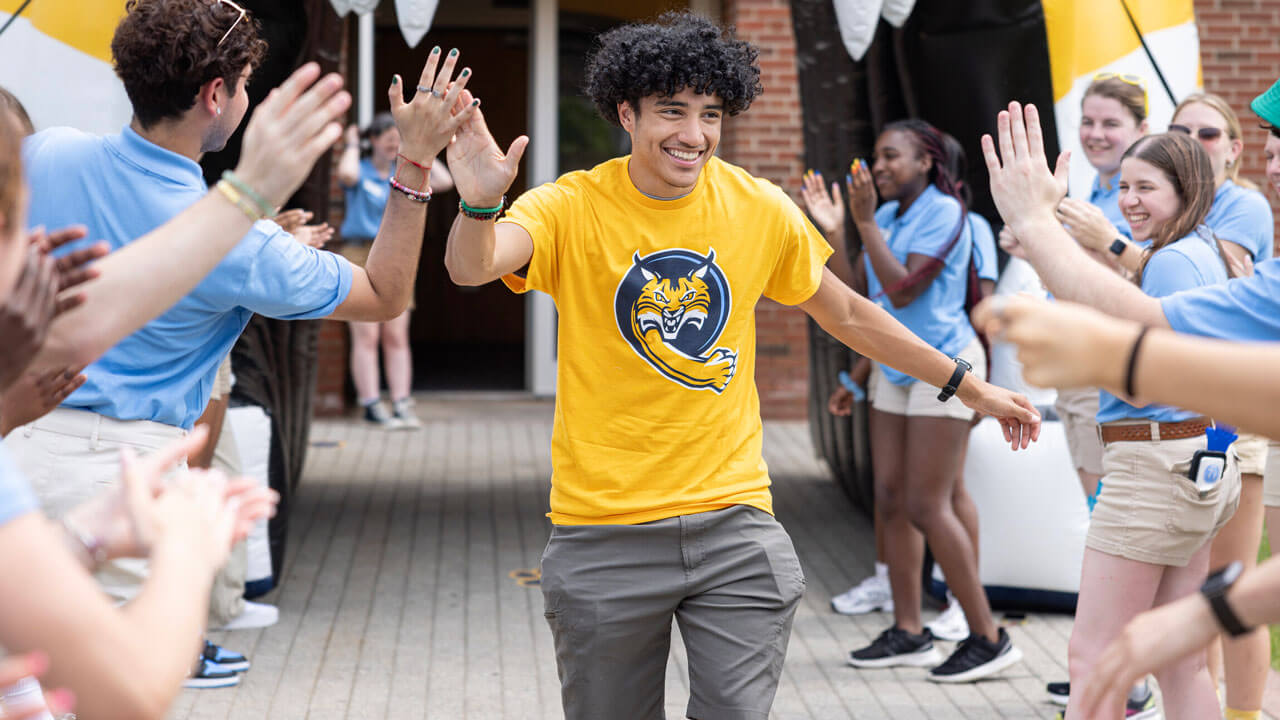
1204,133
238,9
1128,79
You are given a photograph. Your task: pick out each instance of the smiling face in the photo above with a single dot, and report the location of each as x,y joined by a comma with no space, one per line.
1107,129
1147,198
671,140
1222,149
898,167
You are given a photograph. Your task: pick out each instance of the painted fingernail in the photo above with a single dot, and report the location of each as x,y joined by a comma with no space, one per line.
466,72
453,52
475,103
848,177
395,79
435,50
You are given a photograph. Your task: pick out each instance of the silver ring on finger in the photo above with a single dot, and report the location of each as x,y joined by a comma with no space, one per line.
437,93
424,88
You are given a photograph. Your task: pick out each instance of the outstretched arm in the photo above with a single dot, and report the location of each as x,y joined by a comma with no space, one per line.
1027,195
1066,345
285,136
871,331
382,289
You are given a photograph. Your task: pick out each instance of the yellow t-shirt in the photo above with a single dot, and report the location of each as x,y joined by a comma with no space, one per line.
656,407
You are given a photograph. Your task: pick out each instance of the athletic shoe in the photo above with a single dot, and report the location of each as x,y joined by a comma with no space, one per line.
1144,708
895,647
403,409
977,657
378,414
867,596
211,675
254,615
950,623
225,659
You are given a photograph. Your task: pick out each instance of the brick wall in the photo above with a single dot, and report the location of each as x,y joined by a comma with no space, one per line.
1240,55
767,142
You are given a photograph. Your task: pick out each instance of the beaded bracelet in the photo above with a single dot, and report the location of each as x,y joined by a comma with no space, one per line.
414,195
245,205
268,210
482,213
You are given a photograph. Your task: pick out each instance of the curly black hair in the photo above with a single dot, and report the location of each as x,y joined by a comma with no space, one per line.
165,50
679,50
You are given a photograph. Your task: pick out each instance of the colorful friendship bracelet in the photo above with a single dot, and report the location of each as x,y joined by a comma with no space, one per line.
426,173
268,210
246,206
414,195
482,213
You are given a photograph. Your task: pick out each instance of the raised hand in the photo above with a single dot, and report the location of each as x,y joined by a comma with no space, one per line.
25,314
431,119
1024,189
482,173
34,395
862,193
826,209
289,130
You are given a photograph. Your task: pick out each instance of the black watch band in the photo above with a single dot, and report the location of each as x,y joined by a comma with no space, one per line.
962,367
1215,591
1118,246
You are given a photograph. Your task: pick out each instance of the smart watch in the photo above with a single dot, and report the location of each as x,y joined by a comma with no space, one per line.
962,367
1215,591
1118,246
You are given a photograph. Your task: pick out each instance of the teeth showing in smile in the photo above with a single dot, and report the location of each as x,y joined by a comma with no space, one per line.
1136,217
683,155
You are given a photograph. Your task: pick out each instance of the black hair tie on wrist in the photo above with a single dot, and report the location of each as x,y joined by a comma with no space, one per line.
1133,362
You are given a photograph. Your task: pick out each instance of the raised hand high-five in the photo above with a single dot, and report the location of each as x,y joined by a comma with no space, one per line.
437,110
1024,190
482,173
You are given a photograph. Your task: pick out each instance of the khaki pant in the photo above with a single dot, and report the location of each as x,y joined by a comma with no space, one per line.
72,455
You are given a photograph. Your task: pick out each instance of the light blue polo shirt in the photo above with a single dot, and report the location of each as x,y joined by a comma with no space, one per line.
1192,262
984,248
122,187
937,315
16,498
366,201
1245,308
1242,216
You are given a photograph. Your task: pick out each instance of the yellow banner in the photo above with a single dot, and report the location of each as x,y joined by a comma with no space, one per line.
1086,35
85,26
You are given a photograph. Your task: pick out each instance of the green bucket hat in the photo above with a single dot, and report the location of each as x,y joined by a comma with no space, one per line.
1267,105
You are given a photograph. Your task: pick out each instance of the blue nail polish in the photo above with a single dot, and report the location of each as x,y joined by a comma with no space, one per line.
435,50
466,72
848,177
453,52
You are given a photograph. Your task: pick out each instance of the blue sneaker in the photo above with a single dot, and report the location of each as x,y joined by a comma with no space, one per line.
211,675
223,658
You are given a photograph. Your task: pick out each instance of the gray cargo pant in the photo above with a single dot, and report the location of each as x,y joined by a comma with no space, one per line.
730,578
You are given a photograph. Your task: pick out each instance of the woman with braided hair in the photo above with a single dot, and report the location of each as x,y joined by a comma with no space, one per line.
916,251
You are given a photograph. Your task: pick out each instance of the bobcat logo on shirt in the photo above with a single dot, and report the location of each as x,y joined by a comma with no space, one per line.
672,306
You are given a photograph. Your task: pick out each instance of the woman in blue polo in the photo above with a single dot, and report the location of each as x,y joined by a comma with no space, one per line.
365,183
916,251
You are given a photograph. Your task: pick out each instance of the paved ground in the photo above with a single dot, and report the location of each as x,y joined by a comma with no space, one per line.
401,595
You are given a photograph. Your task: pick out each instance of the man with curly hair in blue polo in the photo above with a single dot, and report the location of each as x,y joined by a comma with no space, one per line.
660,499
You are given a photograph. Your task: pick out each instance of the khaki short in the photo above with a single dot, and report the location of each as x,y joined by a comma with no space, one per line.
1078,410
1150,511
357,253
1271,476
1251,452
920,399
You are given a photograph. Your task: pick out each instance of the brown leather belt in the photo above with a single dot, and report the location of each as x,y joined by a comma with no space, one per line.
1145,432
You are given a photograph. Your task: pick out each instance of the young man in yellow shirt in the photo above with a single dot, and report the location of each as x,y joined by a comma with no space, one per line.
660,498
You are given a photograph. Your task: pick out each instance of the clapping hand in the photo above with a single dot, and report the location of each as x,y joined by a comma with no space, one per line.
292,219
826,209
1086,223
314,235
34,395
1010,243
862,193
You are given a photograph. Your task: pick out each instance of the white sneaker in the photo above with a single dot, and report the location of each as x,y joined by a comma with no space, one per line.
867,596
950,623
254,615
403,411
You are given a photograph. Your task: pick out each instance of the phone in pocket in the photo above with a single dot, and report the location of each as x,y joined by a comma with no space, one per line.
1207,468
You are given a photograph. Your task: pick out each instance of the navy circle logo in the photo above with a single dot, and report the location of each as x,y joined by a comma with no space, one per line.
671,307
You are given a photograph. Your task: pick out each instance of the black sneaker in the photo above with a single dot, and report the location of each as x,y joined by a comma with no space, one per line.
1058,692
895,647
211,675
225,659
977,657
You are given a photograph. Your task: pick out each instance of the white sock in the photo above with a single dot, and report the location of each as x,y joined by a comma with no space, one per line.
882,571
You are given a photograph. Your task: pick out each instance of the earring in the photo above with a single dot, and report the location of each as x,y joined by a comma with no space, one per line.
218,111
